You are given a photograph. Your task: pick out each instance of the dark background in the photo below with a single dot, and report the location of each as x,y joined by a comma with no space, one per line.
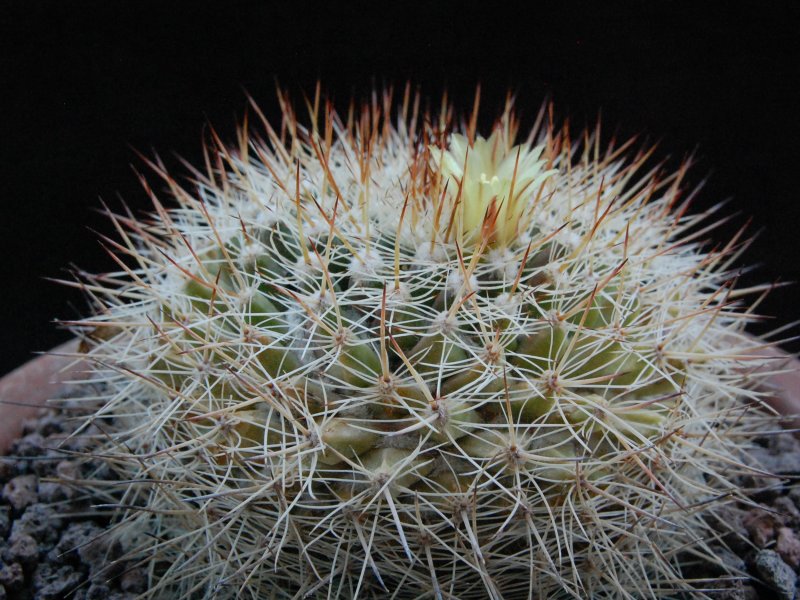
82,83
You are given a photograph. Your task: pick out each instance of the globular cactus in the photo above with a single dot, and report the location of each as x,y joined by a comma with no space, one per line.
383,356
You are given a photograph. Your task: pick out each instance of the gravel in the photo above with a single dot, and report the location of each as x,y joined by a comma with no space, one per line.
779,576
52,541
53,547
21,491
766,539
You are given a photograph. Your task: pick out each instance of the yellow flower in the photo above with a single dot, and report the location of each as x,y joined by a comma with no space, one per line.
481,178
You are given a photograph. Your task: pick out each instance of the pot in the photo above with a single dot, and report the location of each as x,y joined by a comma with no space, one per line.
27,388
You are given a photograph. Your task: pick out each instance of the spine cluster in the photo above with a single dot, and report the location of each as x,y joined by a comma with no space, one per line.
383,356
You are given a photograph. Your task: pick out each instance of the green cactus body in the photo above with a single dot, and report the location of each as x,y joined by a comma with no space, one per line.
386,376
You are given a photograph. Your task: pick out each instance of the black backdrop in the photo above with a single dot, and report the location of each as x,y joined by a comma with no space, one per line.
81,83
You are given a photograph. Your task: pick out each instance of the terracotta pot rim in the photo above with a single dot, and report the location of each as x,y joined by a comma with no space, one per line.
27,388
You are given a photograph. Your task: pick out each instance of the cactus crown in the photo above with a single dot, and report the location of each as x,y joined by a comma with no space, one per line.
382,354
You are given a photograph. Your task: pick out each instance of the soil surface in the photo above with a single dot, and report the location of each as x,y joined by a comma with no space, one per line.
52,542
53,547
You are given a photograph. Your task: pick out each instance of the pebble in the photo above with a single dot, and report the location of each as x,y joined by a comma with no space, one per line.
761,525
49,424
51,492
21,491
23,548
787,511
776,574
99,591
732,562
788,546
783,444
43,466
52,582
8,468
84,539
133,581
12,576
40,521
28,446
776,461
68,470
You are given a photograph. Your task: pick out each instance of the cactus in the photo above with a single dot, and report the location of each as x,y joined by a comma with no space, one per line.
384,356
